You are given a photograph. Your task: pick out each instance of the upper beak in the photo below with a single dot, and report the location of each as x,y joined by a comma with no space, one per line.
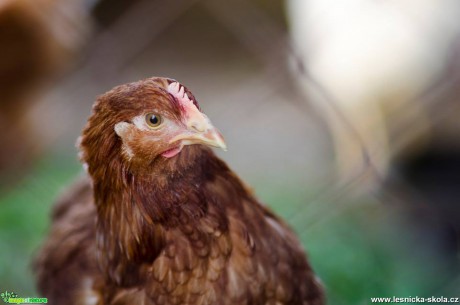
200,131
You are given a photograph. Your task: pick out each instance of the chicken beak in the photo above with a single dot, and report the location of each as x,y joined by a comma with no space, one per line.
211,137
200,131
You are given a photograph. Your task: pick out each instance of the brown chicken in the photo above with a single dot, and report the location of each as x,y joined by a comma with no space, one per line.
162,221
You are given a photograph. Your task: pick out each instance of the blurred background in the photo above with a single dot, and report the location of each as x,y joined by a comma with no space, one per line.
343,116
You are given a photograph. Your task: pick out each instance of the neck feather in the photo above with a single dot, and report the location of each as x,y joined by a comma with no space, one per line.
136,208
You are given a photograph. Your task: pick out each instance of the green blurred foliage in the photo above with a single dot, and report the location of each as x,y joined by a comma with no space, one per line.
24,217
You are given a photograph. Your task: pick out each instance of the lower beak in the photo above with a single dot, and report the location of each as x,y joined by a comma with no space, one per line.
210,137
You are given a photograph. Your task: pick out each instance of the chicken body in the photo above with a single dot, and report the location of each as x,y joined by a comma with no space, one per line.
161,222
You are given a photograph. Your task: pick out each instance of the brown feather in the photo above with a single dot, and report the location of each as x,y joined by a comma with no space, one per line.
183,230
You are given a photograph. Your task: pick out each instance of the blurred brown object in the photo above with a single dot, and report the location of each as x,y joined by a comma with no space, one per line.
37,38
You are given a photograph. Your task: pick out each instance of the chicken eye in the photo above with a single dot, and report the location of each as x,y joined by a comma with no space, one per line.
153,120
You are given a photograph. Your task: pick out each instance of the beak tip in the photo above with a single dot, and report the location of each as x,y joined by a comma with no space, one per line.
223,145
219,139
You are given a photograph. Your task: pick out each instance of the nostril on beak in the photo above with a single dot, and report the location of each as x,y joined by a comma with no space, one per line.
197,127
